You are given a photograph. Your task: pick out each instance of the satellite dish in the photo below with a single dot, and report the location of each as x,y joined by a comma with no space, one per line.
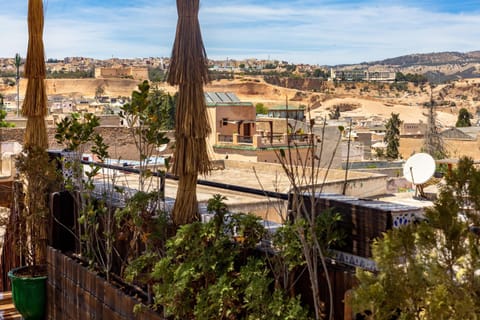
162,147
419,168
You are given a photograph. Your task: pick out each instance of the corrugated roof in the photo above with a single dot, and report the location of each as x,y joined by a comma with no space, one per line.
223,98
290,108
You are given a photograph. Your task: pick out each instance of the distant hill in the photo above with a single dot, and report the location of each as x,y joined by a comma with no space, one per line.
437,66
431,59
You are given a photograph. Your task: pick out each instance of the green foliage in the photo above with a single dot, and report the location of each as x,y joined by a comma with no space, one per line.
335,114
79,74
399,86
157,74
260,108
3,115
206,275
148,113
166,105
409,77
463,119
39,172
75,131
320,73
430,270
270,66
392,136
3,123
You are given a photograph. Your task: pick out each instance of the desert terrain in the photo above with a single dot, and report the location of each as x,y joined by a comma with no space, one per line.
370,100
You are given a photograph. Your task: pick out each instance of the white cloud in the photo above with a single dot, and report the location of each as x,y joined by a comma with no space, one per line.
289,30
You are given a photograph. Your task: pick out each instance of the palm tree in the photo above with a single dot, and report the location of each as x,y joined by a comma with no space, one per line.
18,62
188,70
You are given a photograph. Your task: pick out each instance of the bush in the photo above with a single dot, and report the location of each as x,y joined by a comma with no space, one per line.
207,275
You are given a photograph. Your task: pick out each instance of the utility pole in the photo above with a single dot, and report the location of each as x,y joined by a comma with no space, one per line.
348,158
18,61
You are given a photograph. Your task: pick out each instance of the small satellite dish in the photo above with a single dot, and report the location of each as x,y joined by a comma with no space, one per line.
162,147
419,168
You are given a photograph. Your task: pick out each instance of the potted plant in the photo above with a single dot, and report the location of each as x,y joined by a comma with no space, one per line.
37,174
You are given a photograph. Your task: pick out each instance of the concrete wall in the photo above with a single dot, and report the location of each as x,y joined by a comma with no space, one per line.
360,184
138,73
456,148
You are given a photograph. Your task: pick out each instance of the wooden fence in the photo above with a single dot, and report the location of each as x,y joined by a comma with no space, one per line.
74,292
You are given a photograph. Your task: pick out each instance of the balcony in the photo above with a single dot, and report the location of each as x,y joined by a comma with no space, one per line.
264,140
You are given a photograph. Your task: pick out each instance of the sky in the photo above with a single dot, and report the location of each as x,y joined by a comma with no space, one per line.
323,32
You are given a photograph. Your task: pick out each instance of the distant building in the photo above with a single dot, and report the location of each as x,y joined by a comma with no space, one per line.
362,75
136,73
290,112
413,129
229,115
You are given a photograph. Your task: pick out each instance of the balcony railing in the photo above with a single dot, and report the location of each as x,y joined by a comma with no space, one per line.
225,138
245,139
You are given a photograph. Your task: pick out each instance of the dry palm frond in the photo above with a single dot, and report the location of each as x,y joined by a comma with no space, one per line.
36,135
189,59
35,64
188,70
35,103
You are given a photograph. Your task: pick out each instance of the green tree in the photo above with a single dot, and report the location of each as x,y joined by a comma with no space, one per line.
430,270
166,108
463,119
319,73
144,117
3,115
156,74
260,108
392,136
335,114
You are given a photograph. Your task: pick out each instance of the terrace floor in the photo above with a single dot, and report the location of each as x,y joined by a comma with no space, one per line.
7,310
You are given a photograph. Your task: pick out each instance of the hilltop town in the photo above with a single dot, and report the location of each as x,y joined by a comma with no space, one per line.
367,94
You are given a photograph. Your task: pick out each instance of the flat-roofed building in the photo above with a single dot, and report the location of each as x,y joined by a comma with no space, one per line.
136,73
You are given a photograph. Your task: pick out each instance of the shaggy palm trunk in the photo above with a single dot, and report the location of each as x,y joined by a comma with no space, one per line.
188,70
35,108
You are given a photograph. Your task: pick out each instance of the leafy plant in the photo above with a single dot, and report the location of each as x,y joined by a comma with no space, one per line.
205,275
307,177
3,115
95,223
430,270
146,121
31,231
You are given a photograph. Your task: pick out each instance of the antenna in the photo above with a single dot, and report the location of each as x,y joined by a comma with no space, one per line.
162,147
418,169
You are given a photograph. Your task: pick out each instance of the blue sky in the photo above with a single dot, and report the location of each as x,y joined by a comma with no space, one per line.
324,32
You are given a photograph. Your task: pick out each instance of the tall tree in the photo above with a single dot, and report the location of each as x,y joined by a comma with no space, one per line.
463,119
392,136
18,62
188,70
433,142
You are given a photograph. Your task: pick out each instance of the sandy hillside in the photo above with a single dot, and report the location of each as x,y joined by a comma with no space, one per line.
372,108
375,101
